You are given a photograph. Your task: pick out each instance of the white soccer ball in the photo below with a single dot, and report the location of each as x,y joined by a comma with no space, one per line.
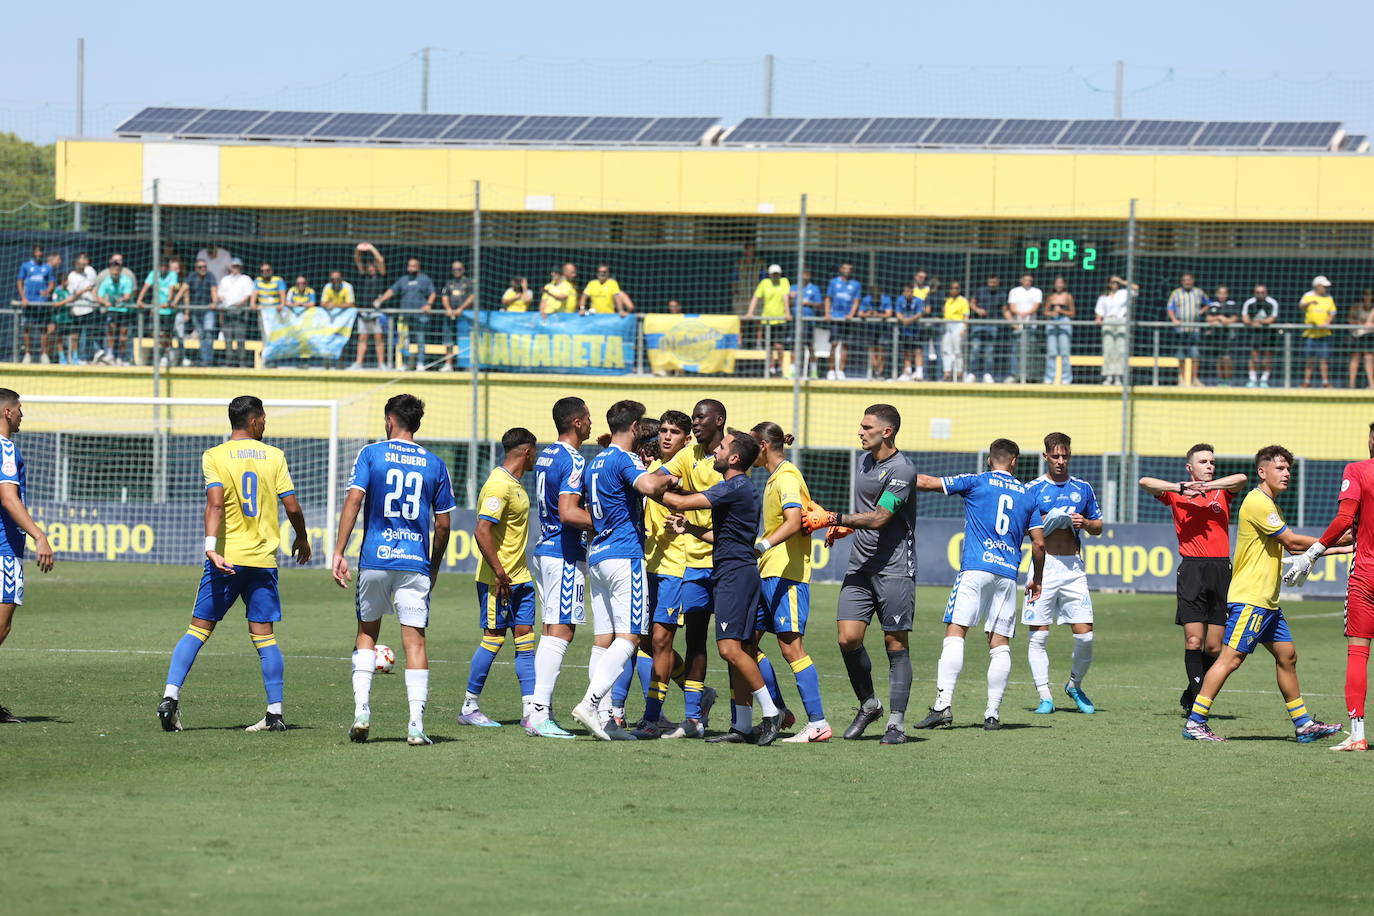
386,659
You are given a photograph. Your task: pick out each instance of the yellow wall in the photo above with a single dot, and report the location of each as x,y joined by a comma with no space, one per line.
730,181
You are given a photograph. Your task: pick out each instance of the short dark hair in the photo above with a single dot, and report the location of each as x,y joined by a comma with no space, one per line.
887,415
745,446
565,410
713,404
406,409
683,422
648,438
624,414
1002,451
1054,440
8,396
516,437
244,408
1207,447
1270,452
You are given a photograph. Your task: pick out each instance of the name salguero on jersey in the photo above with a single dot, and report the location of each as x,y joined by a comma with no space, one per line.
558,470
404,486
998,511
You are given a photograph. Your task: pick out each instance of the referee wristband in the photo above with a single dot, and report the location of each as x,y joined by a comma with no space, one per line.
211,542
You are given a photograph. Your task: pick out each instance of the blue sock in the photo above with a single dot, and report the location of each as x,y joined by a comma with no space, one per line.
809,686
481,661
770,679
273,665
620,690
644,667
691,698
524,662
1297,711
184,654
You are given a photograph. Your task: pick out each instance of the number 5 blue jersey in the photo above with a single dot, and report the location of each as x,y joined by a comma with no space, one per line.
404,485
558,470
998,511
617,508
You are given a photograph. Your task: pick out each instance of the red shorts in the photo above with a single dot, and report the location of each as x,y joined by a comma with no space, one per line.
1359,609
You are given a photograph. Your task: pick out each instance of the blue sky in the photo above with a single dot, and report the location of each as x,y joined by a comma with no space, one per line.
1259,60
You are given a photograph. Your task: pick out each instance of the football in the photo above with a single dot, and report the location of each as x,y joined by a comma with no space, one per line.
386,659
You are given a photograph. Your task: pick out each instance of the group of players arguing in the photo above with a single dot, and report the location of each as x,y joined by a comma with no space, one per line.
661,534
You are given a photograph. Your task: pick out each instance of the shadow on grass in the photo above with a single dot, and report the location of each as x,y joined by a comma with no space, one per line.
437,739
1257,738
58,720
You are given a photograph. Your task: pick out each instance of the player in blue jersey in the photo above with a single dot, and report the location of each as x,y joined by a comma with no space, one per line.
614,488
998,512
1067,506
15,522
399,486
560,557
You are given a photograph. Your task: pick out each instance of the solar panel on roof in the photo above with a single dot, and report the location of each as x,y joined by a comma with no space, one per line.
482,127
1301,135
1355,143
895,131
352,126
829,130
1164,133
962,131
1096,133
1233,134
611,130
417,127
158,120
222,122
764,130
548,128
1028,132
288,124
676,130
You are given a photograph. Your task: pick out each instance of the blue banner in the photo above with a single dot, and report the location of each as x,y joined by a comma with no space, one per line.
527,342
303,333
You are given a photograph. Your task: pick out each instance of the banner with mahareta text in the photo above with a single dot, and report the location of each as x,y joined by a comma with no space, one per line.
529,342
305,333
691,343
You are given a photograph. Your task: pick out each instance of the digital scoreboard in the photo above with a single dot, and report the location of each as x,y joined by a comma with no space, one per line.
1061,252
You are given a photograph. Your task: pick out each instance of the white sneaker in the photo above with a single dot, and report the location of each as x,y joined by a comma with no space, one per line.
185,362
1009,380
839,374
813,733
44,360
588,716
355,367
830,375
988,379
28,358
164,362
970,377
905,377
402,367
446,367
920,375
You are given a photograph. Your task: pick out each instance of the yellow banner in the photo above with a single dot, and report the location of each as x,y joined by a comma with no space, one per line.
692,343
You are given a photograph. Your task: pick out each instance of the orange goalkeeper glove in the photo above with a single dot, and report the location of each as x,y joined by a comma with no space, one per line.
835,533
814,517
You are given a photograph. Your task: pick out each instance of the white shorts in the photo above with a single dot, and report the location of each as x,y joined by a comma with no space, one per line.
11,580
562,589
369,325
620,597
1064,594
384,591
978,594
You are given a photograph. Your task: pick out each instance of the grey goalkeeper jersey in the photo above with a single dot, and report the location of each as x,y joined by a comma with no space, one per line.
891,549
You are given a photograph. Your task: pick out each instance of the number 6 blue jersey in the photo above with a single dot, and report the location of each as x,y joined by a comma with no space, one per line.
404,485
998,511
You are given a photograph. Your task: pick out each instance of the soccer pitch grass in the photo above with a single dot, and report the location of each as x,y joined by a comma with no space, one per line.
1062,813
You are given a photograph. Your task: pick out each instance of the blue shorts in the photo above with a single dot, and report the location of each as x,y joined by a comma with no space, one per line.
256,585
1248,626
1317,347
737,589
784,606
665,597
496,615
698,591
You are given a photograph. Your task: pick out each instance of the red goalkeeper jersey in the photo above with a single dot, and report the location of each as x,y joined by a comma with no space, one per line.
1358,484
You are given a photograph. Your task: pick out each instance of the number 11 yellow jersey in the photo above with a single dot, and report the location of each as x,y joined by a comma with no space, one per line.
254,477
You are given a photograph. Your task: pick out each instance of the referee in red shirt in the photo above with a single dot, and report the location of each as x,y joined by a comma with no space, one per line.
1201,507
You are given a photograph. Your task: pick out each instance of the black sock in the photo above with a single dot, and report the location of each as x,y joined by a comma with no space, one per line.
1196,664
860,670
899,678
1210,660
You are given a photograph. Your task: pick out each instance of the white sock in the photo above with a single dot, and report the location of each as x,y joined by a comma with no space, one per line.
1082,657
597,652
947,671
897,719
172,690
1039,662
548,662
364,666
471,703
1264,376
743,718
617,711
417,692
526,705
999,670
1357,728
765,700
1254,376
610,664
274,708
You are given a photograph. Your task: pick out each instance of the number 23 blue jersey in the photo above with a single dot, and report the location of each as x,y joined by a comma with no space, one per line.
998,511
404,485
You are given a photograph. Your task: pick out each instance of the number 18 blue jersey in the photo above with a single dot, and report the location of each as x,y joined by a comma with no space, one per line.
404,485
998,511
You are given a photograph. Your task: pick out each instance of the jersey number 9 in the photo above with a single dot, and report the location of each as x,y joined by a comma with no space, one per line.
403,494
248,491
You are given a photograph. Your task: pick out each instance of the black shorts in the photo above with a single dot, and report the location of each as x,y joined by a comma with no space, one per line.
737,590
1202,584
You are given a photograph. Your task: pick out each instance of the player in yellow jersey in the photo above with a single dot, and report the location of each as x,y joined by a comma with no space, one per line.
245,478
785,568
1255,618
505,588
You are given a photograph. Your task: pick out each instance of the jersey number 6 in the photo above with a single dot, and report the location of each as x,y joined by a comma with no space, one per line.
1004,502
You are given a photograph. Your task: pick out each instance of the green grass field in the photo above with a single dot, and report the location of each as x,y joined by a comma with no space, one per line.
1064,813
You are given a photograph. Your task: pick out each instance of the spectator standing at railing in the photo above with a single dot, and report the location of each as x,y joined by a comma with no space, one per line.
808,302
216,260
747,273
1318,313
269,292
1111,313
74,312
559,295
773,296
570,274
157,291
603,295
197,298
674,307
985,334
518,297
842,297
34,284
1187,309
416,292
456,297
116,294
875,308
927,328
368,288
337,294
236,290
1258,314
1223,333
1362,339
1059,311
907,309
955,314
48,327
1023,302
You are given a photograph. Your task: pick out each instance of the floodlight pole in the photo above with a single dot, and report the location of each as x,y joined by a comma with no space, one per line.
798,330
768,85
473,338
1117,97
424,81
1124,490
80,114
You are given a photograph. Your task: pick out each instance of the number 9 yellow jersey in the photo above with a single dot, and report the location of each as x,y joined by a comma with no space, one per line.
254,478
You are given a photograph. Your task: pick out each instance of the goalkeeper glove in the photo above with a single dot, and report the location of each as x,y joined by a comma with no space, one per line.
814,518
1301,565
835,533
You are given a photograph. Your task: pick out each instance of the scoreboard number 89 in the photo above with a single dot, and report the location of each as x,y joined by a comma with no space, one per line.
1061,251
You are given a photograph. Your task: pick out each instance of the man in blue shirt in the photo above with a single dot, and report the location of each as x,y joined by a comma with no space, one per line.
808,302
614,489
984,360
841,304
34,284
998,512
399,486
417,294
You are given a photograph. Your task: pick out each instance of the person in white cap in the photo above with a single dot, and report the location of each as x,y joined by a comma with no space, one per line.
1318,313
775,293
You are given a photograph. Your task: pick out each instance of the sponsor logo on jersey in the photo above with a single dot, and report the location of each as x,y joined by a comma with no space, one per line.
400,534
1345,485
1274,519
383,552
